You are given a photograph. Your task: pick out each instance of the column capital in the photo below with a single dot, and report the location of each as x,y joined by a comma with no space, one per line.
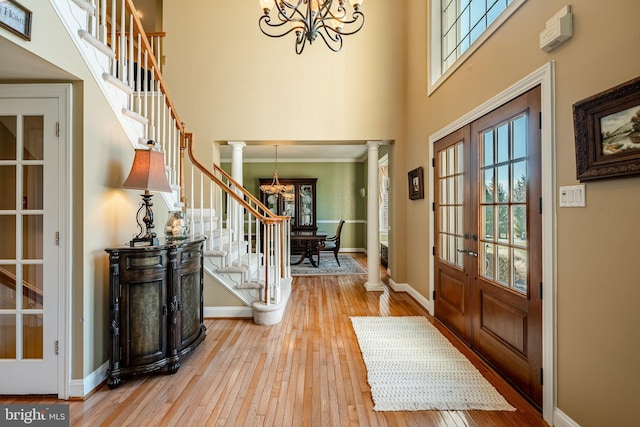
237,145
372,144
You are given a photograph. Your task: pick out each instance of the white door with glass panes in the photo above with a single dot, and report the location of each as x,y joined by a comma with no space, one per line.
29,255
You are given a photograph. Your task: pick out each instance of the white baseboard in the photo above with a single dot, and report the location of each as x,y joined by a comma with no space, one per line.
405,287
81,388
560,419
228,312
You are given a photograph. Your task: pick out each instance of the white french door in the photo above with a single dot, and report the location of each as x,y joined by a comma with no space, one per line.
29,254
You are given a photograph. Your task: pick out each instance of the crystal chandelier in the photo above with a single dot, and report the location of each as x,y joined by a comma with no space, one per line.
275,187
310,18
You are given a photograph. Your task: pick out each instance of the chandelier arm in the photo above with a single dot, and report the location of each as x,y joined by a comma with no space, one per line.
282,7
266,21
301,41
333,42
358,19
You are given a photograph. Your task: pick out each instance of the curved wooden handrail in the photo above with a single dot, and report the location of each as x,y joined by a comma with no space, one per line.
221,184
247,193
156,69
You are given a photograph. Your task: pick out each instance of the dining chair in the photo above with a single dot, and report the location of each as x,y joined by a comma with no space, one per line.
332,243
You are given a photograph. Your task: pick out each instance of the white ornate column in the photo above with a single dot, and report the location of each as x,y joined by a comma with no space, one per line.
374,282
236,174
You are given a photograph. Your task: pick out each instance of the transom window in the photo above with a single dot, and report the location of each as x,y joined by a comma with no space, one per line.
460,26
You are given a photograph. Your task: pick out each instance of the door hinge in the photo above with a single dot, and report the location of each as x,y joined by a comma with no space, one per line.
433,250
540,120
57,347
541,376
540,205
58,129
433,206
540,290
433,162
433,295
57,238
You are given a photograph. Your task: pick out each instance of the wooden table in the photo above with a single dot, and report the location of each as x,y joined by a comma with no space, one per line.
311,240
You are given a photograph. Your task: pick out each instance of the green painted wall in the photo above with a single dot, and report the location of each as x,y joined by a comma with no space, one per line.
338,194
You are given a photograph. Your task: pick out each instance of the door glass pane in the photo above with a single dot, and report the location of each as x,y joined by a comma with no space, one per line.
8,187
487,148
503,184
32,187
33,291
7,336
8,241
488,260
32,336
519,222
33,141
519,190
487,183
32,227
488,231
8,287
459,159
503,224
504,265
8,126
520,137
502,143
520,270
460,189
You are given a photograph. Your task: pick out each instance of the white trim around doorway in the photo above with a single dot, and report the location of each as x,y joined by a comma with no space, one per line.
545,77
62,92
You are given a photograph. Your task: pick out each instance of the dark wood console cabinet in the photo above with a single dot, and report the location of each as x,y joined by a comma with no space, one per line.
155,306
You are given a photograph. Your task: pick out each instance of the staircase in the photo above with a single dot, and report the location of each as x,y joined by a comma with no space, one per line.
122,59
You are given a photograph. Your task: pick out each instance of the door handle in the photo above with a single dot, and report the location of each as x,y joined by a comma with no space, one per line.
468,252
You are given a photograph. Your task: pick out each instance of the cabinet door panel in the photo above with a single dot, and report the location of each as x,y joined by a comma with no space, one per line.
145,317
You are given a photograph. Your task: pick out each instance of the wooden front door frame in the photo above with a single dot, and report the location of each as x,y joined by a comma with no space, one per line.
545,77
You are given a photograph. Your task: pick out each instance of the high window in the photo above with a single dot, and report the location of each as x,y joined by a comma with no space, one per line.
458,27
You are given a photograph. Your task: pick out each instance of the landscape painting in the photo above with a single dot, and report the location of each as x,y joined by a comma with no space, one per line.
621,131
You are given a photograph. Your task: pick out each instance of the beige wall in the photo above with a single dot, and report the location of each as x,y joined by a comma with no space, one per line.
597,283
103,213
240,86
232,83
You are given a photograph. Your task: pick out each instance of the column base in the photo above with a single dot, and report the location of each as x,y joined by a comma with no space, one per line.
373,287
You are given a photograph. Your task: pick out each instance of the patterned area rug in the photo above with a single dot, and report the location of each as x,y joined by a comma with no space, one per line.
328,266
411,366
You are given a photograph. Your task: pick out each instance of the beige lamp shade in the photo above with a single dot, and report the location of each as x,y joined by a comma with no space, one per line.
148,172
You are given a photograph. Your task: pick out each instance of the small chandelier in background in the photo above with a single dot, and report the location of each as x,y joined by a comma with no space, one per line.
287,191
310,18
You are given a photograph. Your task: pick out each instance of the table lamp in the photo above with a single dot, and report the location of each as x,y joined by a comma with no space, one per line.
148,174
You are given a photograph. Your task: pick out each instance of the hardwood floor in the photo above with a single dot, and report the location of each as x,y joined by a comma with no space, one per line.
305,371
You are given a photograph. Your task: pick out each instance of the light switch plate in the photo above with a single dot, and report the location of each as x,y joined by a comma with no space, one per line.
572,196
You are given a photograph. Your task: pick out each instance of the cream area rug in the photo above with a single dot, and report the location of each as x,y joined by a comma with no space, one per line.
411,366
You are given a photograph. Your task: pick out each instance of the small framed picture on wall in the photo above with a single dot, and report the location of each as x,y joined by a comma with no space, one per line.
416,184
